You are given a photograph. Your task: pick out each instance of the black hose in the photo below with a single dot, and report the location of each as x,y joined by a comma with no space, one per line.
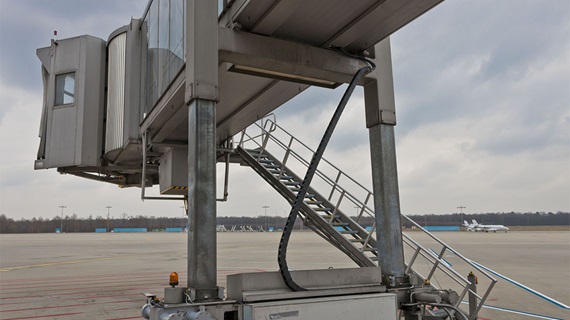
286,235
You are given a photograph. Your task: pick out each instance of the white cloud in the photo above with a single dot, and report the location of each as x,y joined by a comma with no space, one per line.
482,99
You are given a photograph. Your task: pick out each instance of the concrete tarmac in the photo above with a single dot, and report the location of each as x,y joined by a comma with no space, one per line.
102,275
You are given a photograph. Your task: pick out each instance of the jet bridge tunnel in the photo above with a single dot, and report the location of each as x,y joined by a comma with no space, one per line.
160,100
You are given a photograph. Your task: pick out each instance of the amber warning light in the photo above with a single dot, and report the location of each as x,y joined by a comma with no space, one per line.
173,279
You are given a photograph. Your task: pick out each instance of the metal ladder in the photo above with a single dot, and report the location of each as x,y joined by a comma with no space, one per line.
324,214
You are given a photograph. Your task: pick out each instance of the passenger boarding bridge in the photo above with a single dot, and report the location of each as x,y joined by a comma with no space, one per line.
166,97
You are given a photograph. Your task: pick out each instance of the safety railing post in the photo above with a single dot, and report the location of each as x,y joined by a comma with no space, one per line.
472,295
287,152
363,206
336,207
335,184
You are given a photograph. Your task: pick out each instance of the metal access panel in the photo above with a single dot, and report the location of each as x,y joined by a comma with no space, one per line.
381,306
173,172
71,129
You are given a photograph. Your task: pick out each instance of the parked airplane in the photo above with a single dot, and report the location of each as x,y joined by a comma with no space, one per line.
469,227
486,228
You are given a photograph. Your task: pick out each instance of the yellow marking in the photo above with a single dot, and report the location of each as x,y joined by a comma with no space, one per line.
48,264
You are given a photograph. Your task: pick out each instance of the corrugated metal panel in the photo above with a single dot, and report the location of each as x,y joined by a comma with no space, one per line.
116,93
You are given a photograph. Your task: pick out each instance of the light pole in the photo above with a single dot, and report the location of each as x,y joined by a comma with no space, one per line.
61,227
183,214
461,213
265,208
108,217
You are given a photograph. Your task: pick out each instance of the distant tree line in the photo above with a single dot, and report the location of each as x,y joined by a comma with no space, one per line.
75,224
504,218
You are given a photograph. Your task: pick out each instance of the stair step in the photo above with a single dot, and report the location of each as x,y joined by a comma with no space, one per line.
373,258
257,156
369,249
309,195
349,231
291,183
356,240
313,202
285,177
340,224
271,166
265,161
323,209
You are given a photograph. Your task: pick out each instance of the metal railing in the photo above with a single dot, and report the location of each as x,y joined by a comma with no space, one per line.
294,154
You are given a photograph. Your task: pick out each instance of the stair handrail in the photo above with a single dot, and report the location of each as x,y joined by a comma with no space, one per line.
324,177
437,261
348,194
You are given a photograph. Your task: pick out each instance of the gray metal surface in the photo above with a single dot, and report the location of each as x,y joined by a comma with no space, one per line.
387,202
380,306
354,25
201,95
260,43
287,37
72,133
202,199
265,286
116,51
380,120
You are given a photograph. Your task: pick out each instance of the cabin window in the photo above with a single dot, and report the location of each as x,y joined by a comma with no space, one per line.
65,88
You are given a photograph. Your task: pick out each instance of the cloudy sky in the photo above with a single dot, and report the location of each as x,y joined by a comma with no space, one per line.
483,107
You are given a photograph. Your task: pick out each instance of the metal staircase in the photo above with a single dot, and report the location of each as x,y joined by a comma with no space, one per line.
274,154
317,211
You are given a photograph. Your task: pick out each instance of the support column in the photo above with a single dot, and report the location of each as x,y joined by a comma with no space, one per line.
201,36
380,121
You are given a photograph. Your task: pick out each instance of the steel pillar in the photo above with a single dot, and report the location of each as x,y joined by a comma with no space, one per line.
380,120
387,205
202,199
200,97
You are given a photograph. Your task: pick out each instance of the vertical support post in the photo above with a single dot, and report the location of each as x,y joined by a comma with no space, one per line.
200,97
380,121
472,295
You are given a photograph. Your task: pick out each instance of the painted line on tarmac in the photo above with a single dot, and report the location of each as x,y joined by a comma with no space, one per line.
160,287
524,313
522,286
69,305
48,316
59,280
84,283
49,264
445,262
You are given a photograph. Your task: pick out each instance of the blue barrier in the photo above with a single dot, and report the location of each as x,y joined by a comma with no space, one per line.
100,229
129,230
173,230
